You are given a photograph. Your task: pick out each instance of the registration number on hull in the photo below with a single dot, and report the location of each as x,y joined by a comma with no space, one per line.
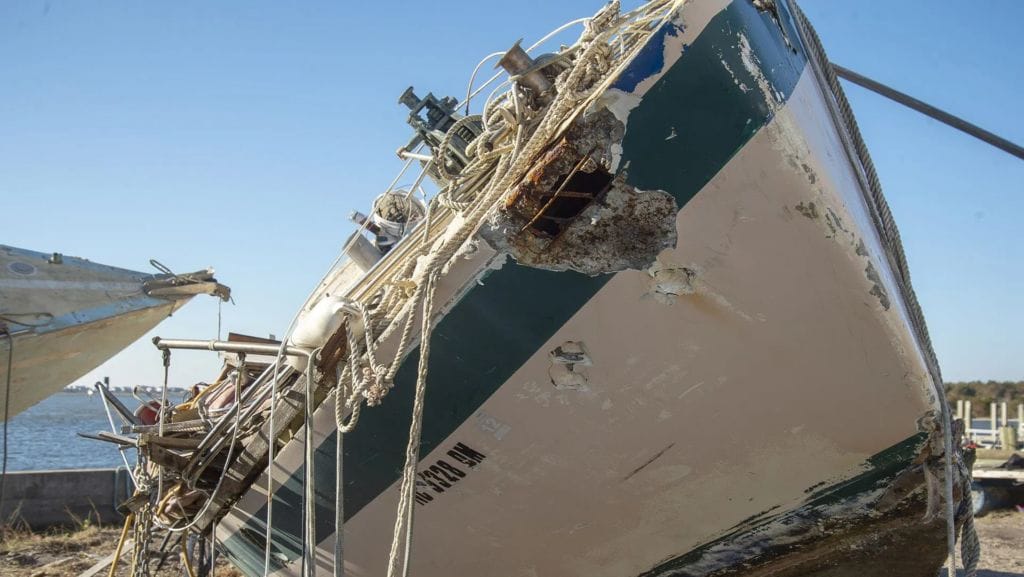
445,473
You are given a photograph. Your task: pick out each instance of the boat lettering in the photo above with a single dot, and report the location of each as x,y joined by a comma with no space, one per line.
442,475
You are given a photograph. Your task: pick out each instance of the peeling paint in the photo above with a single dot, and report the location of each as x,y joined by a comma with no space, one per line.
809,210
661,53
839,529
811,176
877,290
566,371
669,282
750,61
564,378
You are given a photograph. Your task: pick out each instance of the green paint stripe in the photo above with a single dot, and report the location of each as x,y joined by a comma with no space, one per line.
498,326
733,549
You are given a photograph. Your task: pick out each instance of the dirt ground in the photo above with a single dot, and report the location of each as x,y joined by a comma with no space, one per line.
1002,544
69,553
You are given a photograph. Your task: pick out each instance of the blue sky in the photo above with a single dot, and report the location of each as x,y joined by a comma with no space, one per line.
240,134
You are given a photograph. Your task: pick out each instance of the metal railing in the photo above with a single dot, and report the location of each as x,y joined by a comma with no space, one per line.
988,433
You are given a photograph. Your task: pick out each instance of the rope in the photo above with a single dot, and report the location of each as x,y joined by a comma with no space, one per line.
947,442
366,376
309,473
339,478
163,415
268,535
406,501
39,319
890,235
882,214
574,86
970,545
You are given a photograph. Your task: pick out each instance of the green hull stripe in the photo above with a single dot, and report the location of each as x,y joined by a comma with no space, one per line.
882,468
500,325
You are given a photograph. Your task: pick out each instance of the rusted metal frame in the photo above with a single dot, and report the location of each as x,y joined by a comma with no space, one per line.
188,444
228,347
597,197
165,457
252,460
222,425
559,193
235,347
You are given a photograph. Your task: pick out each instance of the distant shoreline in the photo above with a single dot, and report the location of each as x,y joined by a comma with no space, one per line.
982,394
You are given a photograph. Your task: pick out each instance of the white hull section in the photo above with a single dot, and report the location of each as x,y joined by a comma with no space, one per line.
45,363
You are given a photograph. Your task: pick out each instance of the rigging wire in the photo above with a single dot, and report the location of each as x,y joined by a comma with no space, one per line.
113,429
930,111
7,405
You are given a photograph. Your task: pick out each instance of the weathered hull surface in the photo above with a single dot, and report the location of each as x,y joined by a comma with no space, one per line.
66,318
752,401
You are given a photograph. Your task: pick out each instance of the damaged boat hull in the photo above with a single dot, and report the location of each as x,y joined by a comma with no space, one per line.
760,396
67,315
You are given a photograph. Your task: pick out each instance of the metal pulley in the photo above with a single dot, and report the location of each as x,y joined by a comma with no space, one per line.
536,75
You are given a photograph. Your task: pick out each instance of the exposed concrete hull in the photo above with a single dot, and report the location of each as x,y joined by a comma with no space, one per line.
752,403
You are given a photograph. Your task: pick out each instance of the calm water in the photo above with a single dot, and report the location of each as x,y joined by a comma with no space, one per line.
44,436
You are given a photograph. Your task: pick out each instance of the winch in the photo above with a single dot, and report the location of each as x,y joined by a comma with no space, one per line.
431,118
